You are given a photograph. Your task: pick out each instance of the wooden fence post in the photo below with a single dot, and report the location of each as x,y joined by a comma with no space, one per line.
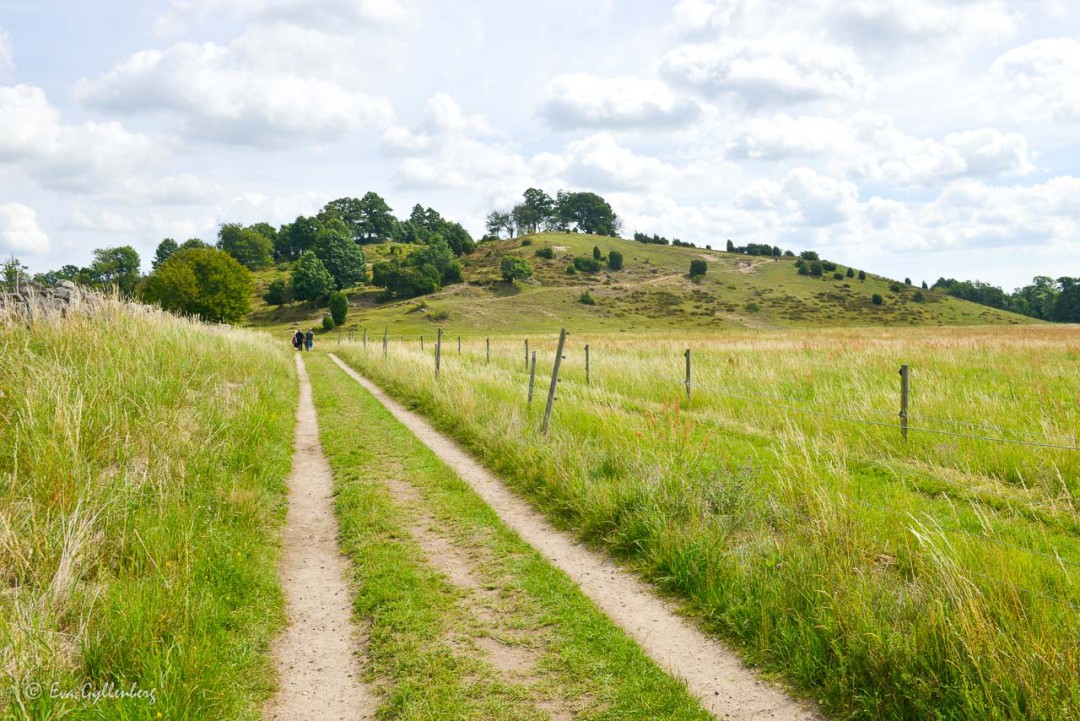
526,354
438,352
459,345
421,344
586,364
905,374
487,343
687,374
385,341
554,379
365,338
532,377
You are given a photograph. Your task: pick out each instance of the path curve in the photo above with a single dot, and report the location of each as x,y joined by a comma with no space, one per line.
713,673
316,658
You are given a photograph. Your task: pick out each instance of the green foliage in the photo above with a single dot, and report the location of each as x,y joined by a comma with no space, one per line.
803,269
526,242
862,275
165,248
571,270
514,268
615,260
49,278
586,265
918,297
114,267
340,254
876,299
497,222
339,307
249,247
194,243
402,281
205,282
296,238
894,287
698,267
829,266
13,274
816,268
586,298
907,281
328,322
368,219
585,212
310,278
838,276
1067,305
547,252
809,255
278,293
850,273
596,254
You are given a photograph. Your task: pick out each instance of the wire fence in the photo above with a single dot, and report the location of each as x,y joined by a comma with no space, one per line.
847,414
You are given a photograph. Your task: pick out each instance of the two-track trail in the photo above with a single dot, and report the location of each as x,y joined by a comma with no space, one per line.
713,673
317,658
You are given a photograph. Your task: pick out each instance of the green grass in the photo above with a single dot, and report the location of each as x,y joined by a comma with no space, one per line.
423,637
651,293
890,580
142,469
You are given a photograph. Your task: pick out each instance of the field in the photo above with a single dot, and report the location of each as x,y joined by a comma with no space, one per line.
651,292
929,578
142,467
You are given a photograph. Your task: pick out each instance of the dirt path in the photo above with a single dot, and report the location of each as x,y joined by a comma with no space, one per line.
714,674
316,657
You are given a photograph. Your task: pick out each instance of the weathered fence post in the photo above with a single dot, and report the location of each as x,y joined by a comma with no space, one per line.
487,344
526,354
586,364
554,379
459,345
687,374
905,374
438,352
339,336
365,338
421,343
532,377
385,341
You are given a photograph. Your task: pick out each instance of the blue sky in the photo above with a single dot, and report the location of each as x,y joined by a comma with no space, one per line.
917,138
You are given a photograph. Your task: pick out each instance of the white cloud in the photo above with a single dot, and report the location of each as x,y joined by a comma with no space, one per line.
777,71
66,156
311,13
582,100
820,201
600,163
1043,78
235,93
19,231
7,55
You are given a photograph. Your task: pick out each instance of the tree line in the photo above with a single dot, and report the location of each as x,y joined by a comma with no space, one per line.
1044,298
580,212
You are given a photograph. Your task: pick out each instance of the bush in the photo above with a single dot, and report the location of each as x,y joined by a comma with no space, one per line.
571,270
526,242
514,268
803,270
310,279
698,267
876,299
838,276
809,255
587,265
615,260
547,252
586,298
206,282
752,307
850,272
862,275
918,297
328,323
816,268
339,307
596,254
828,265
895,287
907,281
278,293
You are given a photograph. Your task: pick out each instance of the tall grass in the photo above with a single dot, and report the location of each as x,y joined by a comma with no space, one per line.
142,467
935,578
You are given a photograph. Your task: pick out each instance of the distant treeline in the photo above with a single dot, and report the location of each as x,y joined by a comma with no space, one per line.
1045,298
660,240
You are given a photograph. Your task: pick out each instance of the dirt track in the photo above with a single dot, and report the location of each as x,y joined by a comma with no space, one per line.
713,673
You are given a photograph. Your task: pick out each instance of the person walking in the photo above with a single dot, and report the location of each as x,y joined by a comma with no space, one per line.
309,339
298,340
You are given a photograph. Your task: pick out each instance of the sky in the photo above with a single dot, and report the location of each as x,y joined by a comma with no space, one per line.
909,138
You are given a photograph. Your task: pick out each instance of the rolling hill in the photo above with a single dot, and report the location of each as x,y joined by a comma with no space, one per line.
653,291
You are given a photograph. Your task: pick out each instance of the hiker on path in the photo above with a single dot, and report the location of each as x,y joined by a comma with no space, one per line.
298,340
309,339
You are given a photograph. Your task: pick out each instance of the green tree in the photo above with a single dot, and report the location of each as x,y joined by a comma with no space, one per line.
114,267
850,272
615,260
596,254
1067,305
541,205
339,307
278,292
296,238
497,222
193,243
862,275
310,278
165,248
514,268
52,277
585,212
698,267
455,235
13,274
250,248
340,255
405,281
876,299
205,282
730,246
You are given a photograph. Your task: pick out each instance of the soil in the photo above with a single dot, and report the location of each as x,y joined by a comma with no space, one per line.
712,672
317,658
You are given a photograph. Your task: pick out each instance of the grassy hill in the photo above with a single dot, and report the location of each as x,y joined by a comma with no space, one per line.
651,292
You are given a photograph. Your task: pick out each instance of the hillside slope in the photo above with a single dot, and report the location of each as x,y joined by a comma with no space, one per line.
652,291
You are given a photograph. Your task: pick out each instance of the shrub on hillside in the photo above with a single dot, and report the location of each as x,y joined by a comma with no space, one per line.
515,268
587,265
526,242
328,322
547,252
828,265
339,307
310,278
586,298
596,254
278,293
816,268
918,297
850,272
698,267
838,276
895,287
615,260
862,275
876,299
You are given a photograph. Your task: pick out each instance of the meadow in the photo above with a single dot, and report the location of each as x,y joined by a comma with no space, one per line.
142,490
933,577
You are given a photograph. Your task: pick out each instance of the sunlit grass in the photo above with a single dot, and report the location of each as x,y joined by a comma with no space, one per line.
142,467
933,578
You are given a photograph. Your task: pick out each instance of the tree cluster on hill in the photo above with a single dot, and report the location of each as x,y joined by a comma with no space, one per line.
582,212
1044,298
423,271
655,239
756,249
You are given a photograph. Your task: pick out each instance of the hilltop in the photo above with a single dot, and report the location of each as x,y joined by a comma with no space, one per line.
653,291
